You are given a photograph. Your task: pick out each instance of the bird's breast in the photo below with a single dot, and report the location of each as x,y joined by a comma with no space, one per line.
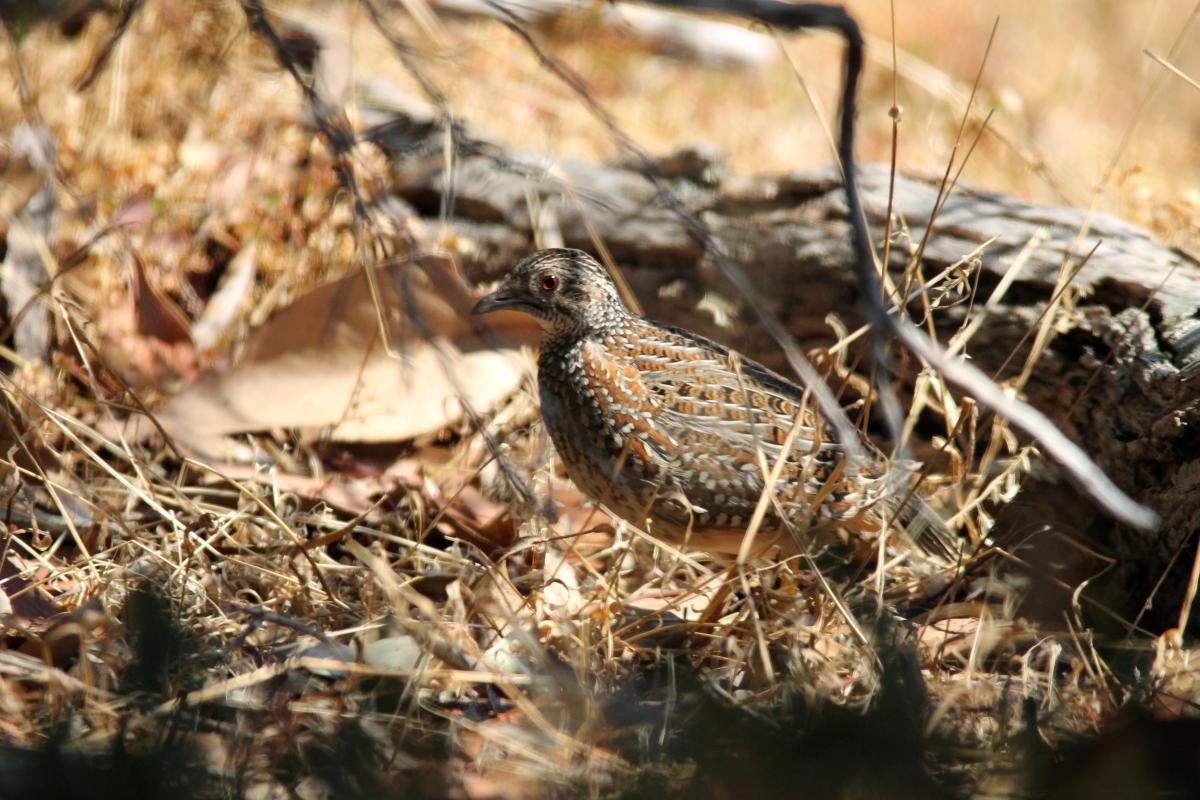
599,454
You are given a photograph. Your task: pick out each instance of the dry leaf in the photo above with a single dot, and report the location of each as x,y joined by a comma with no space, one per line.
149,337
474,518
321,362
29,603
576,514
154,315
59,644
221,309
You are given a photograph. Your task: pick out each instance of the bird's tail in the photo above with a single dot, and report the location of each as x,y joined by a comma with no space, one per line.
922,525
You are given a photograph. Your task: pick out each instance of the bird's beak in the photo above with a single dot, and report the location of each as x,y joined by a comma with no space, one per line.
494,302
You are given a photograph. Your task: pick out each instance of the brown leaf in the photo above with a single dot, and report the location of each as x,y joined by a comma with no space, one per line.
321,362
476,519
232,293
575,513
27,602
154,315
60,642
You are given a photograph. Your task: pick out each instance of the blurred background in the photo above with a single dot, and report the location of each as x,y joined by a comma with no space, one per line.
1080,113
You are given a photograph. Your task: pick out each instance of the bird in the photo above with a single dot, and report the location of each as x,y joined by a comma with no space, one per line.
677,434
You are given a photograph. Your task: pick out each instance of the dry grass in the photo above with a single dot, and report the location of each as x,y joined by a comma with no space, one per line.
357,620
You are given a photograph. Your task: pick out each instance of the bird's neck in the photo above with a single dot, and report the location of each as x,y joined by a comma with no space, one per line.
563,332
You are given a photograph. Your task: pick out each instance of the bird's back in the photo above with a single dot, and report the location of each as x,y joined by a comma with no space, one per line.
661,424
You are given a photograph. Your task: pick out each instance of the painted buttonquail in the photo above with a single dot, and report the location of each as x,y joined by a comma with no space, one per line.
665,428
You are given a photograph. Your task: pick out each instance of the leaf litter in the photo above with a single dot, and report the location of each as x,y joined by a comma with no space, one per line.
326,362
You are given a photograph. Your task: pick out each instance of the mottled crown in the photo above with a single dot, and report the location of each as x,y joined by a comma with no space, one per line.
567,290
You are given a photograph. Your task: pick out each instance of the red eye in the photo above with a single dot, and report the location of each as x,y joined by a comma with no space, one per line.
549,283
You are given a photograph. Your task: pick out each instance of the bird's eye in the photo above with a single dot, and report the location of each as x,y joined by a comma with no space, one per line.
549,283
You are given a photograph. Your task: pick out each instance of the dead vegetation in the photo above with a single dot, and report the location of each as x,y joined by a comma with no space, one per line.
281,520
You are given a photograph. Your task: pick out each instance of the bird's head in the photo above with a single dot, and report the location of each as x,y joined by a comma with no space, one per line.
568,291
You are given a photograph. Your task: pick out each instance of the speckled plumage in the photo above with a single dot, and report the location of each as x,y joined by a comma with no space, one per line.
668,428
